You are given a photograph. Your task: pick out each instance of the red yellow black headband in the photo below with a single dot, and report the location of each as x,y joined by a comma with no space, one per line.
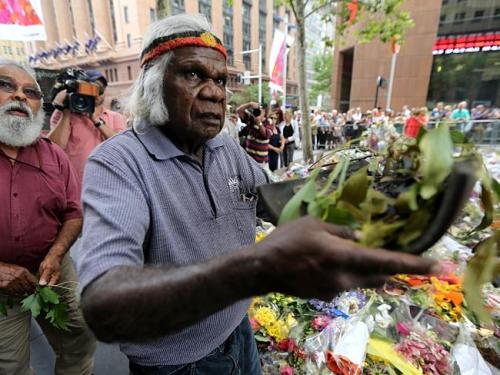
161,45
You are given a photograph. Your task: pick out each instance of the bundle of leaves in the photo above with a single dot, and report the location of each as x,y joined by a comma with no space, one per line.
393,198
393,201
43,301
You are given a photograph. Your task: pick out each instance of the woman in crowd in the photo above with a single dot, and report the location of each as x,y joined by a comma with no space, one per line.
289,137
276,143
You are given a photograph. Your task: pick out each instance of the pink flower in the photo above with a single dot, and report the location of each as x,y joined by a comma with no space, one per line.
320,322
403,329
286,370
254,324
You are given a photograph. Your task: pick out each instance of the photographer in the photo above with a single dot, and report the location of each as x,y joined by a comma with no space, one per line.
78,133
259,131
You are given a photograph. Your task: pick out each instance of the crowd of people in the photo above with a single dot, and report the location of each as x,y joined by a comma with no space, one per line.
280,132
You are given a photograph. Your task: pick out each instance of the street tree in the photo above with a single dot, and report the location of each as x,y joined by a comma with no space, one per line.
322,75
250,93
382,19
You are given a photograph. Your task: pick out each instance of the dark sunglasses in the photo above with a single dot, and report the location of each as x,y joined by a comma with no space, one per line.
11,87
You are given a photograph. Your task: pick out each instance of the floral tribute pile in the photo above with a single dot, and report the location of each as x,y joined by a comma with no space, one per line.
413,325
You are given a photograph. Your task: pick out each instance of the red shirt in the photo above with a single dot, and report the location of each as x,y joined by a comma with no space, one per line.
37,195
85,136
412,127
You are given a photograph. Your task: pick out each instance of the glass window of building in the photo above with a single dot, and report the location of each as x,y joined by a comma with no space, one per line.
205,8
247,36
73,18
125,14
129,40
466,68
263,31
228,36
113,20
478,15
459,17
152,14
91,16
178,6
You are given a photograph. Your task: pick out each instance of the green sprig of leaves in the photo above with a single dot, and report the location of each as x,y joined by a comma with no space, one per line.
44,300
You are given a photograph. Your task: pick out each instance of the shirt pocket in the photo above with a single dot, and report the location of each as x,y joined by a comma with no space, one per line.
51,194
244,204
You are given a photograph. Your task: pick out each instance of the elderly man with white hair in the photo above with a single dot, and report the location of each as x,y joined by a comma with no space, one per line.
168,261
40,219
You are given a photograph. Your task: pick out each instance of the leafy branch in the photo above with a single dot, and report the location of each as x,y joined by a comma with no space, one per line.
43,301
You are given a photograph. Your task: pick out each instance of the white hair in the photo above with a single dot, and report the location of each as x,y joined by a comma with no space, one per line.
24,66
147,97
19,131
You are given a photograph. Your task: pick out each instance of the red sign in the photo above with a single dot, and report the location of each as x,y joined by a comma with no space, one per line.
467,43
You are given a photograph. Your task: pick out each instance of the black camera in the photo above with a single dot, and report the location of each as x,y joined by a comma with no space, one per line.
253,112
81,89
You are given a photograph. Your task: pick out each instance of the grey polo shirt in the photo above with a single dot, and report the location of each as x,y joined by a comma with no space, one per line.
145,202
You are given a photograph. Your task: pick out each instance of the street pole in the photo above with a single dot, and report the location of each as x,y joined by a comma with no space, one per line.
285,62
260,74
391,81
395,47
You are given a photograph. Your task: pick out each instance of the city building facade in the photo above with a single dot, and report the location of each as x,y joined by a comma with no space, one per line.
13,50
108,34
451,54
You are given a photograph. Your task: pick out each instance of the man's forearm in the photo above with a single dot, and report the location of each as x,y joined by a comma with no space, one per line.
61,131
66,237
135,304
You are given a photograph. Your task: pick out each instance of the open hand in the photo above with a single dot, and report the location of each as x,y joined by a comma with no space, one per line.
310,258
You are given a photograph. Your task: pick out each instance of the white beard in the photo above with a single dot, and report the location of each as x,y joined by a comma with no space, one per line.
17,131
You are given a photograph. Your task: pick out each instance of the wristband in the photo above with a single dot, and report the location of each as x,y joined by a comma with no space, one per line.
58,107
99,123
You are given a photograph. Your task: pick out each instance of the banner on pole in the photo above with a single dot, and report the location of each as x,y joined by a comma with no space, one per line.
21,20
276,61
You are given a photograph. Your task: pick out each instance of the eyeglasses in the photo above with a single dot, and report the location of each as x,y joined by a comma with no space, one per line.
10,87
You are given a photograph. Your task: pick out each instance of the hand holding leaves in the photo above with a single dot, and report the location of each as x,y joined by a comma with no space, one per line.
46,300
50,270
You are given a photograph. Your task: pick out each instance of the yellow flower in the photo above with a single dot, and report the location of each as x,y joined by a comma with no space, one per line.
265,316
259,236
278,330
290,321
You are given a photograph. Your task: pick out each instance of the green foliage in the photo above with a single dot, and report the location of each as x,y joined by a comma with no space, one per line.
250,93
322,66
361,202
483,267
45,300
436,148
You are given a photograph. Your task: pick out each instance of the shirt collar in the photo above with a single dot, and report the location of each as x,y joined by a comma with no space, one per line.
162,148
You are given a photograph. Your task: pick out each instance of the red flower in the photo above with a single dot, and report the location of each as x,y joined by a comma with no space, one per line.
403,329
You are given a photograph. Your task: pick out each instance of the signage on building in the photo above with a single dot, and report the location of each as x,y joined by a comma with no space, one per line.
483,42
21,20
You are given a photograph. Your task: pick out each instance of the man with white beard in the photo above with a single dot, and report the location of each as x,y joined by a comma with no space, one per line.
39,221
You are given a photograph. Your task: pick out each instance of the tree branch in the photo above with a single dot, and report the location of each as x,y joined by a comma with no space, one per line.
292,5
318,8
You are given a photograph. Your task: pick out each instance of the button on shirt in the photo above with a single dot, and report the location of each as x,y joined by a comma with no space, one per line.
147,203
37,195
85,136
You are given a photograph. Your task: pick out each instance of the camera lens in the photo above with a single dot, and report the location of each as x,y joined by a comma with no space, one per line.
256,112
81,103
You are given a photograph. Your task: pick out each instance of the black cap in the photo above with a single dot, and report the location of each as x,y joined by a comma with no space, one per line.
95,75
